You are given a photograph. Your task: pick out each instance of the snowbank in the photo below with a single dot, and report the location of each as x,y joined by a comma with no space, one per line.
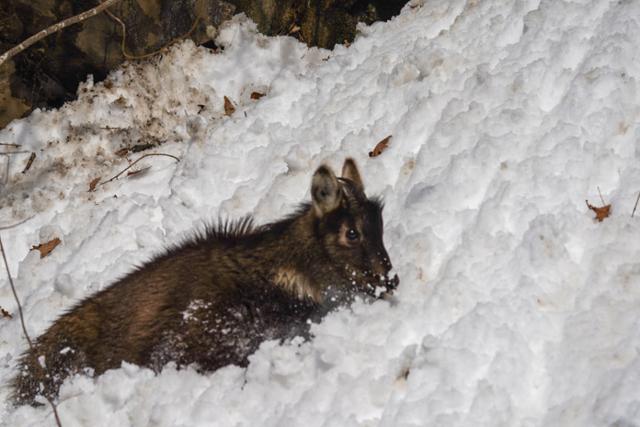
515,307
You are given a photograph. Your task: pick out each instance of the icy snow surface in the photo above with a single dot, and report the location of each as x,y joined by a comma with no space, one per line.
515,308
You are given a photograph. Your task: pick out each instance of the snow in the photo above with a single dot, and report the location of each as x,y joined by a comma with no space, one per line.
515,307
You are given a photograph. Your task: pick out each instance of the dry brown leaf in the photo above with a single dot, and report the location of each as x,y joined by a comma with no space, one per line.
229,109
32,157
122,152
380,147
601,212
141,147
46,248
93,183
294,29
121,102
5,313
256,95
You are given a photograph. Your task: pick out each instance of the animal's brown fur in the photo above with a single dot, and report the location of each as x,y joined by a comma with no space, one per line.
297,284
211,300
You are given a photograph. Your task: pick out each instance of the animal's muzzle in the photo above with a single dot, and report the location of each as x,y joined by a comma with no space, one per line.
388,284
382,265
391,284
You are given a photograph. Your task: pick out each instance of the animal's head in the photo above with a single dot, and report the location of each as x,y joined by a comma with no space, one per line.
349,226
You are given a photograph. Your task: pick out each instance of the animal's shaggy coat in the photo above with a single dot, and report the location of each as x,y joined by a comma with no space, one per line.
211,300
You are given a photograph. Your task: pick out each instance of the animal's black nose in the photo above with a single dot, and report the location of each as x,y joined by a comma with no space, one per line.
394,282
385,261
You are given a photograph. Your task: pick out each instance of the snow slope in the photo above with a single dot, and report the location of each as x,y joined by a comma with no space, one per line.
515,308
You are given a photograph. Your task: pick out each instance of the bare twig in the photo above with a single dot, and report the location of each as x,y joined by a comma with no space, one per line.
138,172
8,153
136,161
6,169
6,227
24,328
601,199
146,55
8,144
32,157
55,28
635,206
15,295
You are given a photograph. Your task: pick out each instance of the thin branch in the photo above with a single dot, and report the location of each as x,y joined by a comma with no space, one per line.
6,227
635,206
601,199
6,171
142,157
32,157
24,328
55,28
146,55
8,153
8,144
15,295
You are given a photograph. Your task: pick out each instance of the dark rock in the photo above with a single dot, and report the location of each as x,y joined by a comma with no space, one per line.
47,74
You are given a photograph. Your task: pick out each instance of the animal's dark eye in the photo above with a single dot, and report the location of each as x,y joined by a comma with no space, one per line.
352,234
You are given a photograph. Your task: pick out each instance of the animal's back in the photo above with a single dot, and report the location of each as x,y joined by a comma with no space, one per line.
121,323
213,299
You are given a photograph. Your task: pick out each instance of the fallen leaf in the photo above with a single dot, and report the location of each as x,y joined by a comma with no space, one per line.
46,248
404,374
228,107
5,313
294,29
601,212
141,147
93,183
121,101
380,147
122,152
256,95
32,157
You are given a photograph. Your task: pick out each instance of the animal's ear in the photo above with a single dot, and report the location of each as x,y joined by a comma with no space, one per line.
325,191
350,171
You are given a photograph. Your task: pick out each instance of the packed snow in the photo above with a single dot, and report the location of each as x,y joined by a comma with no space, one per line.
515,308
